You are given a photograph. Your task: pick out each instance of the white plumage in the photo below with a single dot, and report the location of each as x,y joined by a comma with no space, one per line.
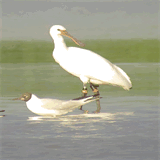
85,64
53,107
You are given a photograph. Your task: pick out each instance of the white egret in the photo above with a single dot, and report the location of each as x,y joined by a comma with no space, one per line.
87,65
53,107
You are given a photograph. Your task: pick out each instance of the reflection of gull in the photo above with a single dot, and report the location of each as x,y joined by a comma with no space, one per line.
69,120
88,66
53,107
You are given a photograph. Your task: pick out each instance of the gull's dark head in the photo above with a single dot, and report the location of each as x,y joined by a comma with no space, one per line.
24,97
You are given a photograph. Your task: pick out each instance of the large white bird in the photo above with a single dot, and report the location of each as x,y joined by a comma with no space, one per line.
53,107
87,65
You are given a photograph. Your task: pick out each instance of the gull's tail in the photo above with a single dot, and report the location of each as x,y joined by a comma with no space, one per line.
88,99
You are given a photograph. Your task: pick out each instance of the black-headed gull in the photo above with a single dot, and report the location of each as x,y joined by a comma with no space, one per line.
53,107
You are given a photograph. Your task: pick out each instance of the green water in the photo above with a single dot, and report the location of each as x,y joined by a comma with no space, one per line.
49,79
117,51
126,128
29,66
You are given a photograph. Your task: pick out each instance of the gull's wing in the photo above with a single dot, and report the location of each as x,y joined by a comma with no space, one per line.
55,104
62,106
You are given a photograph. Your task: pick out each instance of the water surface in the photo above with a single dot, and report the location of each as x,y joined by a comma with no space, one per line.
126,129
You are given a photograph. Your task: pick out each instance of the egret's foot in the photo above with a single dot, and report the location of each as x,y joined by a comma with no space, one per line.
86,111
95,91
96,112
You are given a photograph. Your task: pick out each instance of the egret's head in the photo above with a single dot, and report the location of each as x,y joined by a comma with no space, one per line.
24,97
57,30
60,30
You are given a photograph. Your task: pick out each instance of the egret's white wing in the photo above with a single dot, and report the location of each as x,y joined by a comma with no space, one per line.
94,66
84,62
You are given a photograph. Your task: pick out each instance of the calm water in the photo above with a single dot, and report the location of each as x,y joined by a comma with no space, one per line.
126,129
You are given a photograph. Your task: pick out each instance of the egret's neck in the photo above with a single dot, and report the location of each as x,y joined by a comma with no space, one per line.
60,48
59,42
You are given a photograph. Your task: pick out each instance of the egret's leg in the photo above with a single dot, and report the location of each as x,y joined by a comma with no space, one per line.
96,91
85,80
84,93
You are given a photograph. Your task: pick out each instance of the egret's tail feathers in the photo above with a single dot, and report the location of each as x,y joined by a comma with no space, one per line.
128,87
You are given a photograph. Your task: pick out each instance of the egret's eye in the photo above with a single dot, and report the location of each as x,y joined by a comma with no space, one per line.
58,29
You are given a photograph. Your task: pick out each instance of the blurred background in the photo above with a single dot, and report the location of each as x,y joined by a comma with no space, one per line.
25,28
105,19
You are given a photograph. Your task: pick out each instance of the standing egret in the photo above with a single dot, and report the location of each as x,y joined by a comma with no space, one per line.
88,66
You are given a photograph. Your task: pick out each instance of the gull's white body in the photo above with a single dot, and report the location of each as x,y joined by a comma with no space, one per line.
54,107
87,65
